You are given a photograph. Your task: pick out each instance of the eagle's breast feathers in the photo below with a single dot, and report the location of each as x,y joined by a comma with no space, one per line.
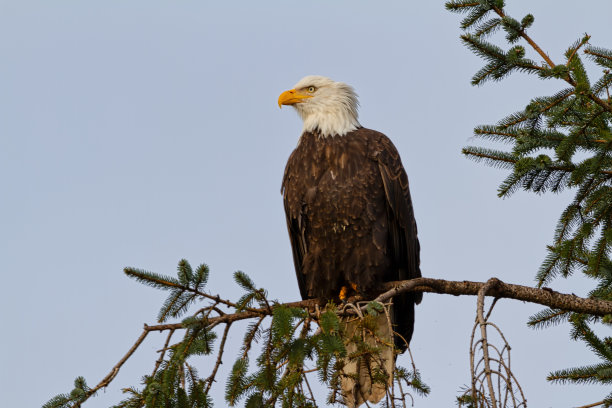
335,199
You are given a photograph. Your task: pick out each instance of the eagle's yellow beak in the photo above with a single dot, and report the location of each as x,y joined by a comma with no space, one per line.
291,97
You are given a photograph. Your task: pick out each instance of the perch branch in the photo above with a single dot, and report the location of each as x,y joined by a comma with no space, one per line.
544,296
498,289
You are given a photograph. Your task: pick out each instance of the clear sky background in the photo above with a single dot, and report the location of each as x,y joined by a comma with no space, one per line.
137,133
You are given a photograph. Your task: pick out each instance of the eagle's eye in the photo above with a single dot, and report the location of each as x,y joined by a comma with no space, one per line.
311,89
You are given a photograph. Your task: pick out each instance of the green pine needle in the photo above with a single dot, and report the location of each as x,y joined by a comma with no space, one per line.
547,318
152,279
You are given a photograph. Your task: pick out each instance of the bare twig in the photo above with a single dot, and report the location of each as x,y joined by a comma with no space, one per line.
491,308
303,334
483,333
486,394
212,376
115,370
312,397
163,353
596,404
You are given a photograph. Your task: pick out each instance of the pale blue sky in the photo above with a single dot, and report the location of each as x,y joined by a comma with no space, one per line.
137,133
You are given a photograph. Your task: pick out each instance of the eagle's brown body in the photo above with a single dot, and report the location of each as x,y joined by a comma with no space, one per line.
350,219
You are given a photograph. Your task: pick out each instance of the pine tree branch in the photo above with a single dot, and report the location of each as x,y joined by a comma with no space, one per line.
584,41
506,160
535,46
551,64
487,156
600,102
494,287
545,297
163,282
597,54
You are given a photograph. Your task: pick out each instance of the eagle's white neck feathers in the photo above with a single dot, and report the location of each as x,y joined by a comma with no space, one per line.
332,110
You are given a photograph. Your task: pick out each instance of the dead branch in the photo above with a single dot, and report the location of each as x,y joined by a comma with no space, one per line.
115,370
162,353
485,344
507,385
219,361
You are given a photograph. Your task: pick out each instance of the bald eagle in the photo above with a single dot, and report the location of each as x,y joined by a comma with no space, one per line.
348,206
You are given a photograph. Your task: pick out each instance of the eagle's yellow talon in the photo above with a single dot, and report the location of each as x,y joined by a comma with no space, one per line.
344,291
342,294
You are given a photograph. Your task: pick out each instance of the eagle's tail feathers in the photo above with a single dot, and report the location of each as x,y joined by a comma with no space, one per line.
370,358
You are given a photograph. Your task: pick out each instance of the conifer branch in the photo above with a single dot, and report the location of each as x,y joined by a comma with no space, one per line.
576,49
488,156
481,155
597,53
535,46
574,120
461,5
494,287
542,296
545,297
551,64
164,283
600,102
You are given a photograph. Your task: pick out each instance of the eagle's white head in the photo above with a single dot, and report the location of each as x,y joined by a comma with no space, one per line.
324,105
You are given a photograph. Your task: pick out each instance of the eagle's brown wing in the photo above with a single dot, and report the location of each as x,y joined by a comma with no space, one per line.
296,226
403,240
